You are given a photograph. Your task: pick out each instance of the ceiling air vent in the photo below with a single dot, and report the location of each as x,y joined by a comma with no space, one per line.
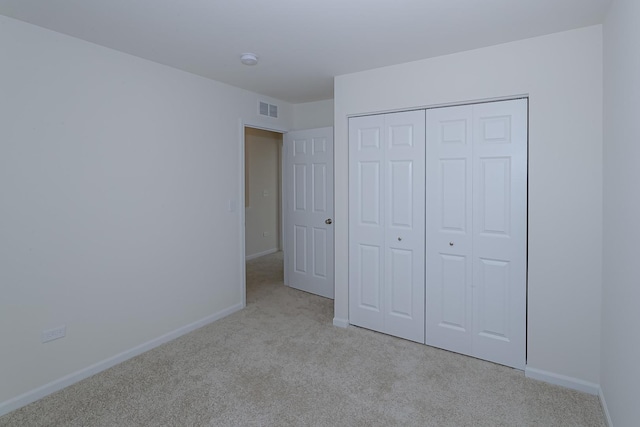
268,110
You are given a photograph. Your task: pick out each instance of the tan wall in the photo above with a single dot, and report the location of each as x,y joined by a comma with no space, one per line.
262,191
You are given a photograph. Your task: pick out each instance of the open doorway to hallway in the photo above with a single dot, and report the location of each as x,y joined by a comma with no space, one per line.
263,199
289,204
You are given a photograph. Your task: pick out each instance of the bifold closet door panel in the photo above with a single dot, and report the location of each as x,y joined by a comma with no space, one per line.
386,223
476,230
366,221
404,224
500,231
449,152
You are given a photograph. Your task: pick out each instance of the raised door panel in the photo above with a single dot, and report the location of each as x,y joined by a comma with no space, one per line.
320,240
493,208
400,283
367,280
450,304
449,319
453,215
299,187
493,318
300,249
452,293
401,194
499,222
368,207
299,224
319,195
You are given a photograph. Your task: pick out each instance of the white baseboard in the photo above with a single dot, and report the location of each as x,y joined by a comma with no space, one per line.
605,408
341,323
260,254
40,392
562,380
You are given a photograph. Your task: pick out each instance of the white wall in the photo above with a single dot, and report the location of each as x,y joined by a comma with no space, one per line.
621,280
262,172
562,75
312,115
115,180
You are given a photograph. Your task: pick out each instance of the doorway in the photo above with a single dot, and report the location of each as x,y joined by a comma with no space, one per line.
288,198
263,215
263,195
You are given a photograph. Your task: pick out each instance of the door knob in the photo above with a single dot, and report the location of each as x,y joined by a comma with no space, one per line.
450,243
328,221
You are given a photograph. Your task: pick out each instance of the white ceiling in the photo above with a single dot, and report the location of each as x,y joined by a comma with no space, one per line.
302,44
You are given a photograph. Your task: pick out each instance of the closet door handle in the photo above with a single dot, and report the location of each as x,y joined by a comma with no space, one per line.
328,221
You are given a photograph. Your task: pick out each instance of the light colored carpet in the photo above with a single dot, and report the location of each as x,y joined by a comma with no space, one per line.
280,362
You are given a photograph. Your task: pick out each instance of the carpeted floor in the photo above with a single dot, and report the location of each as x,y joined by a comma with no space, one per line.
280,362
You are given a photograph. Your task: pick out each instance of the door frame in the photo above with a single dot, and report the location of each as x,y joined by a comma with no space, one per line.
242,124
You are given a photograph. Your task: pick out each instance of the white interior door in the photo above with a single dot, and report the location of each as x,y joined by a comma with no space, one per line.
308,216
476,230
386,223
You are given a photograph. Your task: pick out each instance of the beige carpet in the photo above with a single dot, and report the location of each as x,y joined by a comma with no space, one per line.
280,362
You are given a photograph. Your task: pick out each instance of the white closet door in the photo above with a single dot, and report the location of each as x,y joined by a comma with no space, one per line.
476,230
405,222
366,221
449,228
500,231
386,223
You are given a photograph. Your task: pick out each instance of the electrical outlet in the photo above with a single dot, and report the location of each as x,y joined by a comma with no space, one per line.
54,334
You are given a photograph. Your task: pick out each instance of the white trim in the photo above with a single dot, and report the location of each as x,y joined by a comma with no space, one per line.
67,380
261,254
442,105
605,408
340,323
284,217
281,190
241,212
562,380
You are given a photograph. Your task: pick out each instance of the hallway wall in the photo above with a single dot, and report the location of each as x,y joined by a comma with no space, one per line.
262,191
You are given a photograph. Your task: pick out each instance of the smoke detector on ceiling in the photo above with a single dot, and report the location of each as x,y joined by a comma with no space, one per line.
249,58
